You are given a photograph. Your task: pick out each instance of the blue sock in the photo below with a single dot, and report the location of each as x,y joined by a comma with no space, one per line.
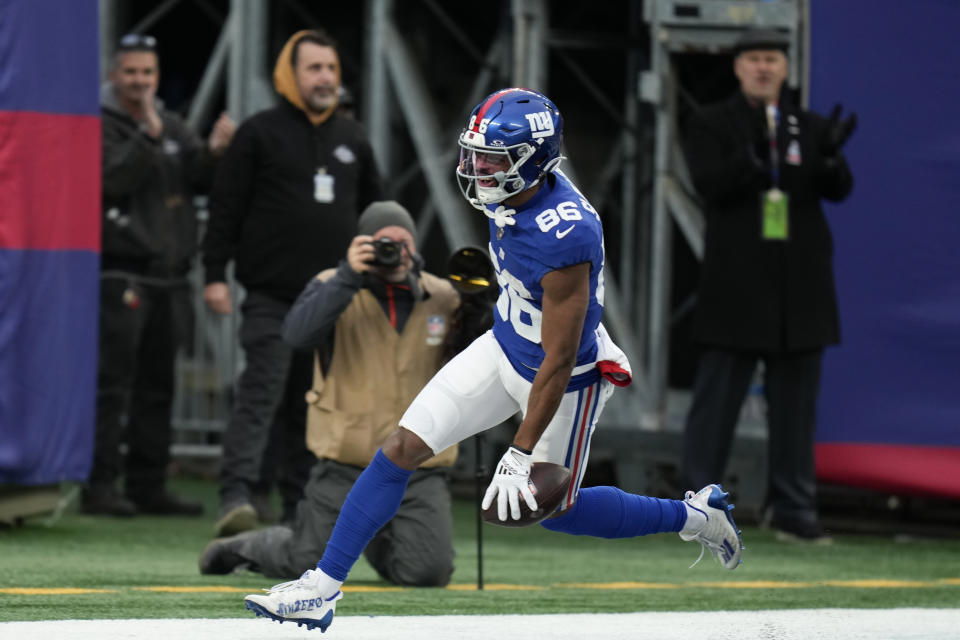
608,512
373,500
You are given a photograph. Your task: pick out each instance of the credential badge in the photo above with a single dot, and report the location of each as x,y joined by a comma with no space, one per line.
436,328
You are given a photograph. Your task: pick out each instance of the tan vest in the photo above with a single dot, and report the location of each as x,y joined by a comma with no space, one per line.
376,373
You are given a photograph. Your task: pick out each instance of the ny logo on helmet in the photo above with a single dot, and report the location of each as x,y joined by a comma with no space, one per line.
541,125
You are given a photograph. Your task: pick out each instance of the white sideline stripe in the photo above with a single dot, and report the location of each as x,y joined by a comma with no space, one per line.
790,624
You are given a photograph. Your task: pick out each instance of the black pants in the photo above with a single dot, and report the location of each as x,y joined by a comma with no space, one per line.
266,436
414,549
135,379
791,383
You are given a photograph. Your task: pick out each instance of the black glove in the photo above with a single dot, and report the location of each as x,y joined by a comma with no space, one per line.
837,132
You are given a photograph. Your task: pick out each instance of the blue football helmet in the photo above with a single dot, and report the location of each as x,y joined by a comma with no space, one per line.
512,140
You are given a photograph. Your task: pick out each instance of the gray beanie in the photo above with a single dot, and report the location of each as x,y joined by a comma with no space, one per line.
385,213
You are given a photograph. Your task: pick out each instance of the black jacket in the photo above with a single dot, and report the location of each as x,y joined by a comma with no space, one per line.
149,223
757,294
263,213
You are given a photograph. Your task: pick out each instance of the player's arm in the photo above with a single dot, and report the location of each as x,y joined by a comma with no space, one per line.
566,297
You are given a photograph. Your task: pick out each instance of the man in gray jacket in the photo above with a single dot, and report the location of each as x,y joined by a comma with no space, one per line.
152,165
380,328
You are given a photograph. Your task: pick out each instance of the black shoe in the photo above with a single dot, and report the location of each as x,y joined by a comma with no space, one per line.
235,517
106,502
261,504
164,503
802,531
222,555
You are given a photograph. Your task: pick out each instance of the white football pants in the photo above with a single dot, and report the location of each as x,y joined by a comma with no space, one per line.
479,389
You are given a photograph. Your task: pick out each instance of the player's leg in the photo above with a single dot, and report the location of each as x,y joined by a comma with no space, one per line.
605,512
312,598
462,399
416,547
609,512
466,397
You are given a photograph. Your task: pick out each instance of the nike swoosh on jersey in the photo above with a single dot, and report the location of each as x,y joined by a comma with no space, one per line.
560,234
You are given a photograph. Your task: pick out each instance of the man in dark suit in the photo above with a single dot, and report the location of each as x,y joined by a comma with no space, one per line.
762,166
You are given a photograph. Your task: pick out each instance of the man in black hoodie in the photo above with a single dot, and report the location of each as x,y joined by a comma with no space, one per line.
152,164
284,204
762,166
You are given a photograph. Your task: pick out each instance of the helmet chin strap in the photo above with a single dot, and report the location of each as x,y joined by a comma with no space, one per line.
514,186
553,164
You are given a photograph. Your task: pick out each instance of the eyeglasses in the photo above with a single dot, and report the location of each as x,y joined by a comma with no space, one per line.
137,41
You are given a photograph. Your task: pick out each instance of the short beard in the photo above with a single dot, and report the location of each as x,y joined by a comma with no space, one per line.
319,105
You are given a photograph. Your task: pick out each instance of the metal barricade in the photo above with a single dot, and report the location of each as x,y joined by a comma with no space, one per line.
207,366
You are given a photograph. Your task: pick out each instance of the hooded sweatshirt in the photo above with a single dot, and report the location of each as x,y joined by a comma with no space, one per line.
149,224
287,194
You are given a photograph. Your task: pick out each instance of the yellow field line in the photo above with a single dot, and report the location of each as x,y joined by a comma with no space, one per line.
730,584
618,585
878,584
489,587
216,589
59,591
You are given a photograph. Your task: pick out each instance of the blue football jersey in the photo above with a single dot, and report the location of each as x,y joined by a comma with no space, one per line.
556,228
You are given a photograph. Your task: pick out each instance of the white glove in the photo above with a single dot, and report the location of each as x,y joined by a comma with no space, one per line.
510,481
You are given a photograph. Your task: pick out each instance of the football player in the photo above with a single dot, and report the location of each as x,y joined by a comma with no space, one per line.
547,357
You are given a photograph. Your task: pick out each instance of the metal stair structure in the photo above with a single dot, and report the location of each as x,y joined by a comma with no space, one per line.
643,185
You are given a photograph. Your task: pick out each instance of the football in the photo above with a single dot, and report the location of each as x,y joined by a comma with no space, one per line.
548,483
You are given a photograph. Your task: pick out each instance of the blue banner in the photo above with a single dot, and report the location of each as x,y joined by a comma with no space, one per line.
889,413
50,54
49,238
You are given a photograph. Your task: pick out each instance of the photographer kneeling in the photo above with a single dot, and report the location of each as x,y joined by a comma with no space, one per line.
381,328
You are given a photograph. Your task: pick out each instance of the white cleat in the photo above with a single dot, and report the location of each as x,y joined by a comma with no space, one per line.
719,533
297,601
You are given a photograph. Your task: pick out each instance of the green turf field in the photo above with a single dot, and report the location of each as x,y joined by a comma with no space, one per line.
83,568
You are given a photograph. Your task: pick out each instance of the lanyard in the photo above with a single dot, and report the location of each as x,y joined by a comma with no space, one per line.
773,121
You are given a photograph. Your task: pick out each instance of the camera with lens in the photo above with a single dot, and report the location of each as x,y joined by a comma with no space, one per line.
387,252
